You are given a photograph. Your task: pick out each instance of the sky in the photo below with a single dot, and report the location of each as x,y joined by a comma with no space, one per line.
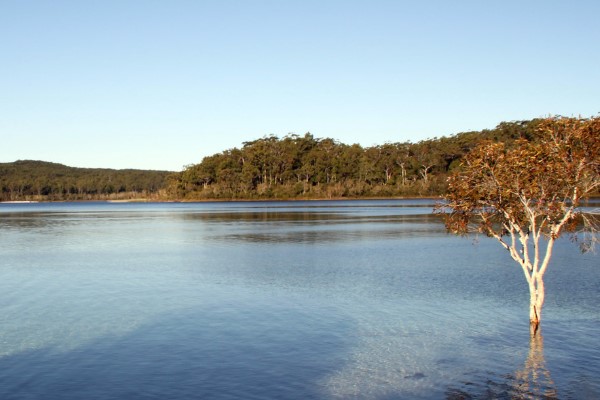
159,85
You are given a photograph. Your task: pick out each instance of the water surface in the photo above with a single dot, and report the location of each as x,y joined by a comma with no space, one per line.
271,300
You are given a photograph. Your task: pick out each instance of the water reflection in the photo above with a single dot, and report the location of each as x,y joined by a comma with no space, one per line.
532,381
311,227
309,216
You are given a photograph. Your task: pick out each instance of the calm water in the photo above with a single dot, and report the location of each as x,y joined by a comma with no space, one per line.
298,300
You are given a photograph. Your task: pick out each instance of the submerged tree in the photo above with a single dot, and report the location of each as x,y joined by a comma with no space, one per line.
527,194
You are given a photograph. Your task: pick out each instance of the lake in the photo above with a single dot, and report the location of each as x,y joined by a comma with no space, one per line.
282,300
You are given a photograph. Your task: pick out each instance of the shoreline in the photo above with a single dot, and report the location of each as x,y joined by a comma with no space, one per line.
240,200
221,200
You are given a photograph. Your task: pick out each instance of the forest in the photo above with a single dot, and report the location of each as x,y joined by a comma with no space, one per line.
292,167
305,167
45,181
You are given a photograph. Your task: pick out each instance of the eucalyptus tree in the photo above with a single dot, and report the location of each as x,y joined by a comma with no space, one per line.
528,193
289,159
347,163
387,160
325,158
403,159
369,170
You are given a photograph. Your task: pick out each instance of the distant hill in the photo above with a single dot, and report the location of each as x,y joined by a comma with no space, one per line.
41,180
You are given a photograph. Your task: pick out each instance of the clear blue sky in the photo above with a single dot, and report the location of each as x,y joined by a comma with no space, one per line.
161,84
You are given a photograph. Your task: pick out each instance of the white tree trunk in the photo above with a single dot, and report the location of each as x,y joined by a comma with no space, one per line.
536,292
533,266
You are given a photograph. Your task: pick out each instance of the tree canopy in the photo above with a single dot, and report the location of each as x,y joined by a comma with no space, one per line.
307,167
528,192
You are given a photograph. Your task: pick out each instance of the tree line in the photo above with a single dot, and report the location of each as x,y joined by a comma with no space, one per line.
297,166
46,181
291,167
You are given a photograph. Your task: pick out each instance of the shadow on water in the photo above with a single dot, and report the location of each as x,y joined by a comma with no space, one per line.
312,227
533,381
200,354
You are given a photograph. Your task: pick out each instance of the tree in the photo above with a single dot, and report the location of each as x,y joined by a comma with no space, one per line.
527,194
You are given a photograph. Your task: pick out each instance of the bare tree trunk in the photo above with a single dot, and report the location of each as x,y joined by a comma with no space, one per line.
536,302
533,269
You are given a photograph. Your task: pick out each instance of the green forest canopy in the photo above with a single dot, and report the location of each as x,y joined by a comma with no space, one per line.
306,167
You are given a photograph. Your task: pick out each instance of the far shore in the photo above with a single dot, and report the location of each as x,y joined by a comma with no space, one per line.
237,200
144,200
